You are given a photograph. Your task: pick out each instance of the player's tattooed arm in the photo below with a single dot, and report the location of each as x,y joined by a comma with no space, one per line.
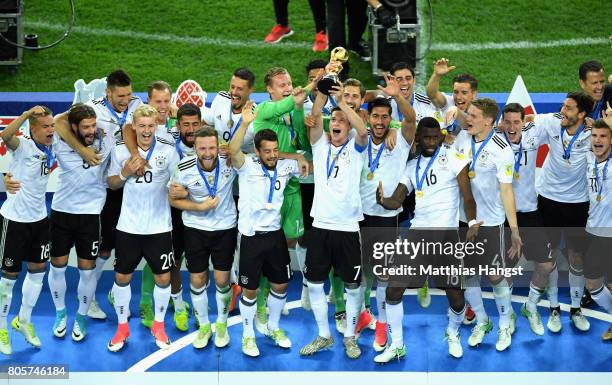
236,154
395,200
441,68
69,136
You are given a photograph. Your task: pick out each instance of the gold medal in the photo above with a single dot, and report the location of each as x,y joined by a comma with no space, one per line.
516,176
419,194
268,206
472,174
599,198
230,124
370,176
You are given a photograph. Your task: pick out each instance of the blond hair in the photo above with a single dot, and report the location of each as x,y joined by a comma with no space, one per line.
144,111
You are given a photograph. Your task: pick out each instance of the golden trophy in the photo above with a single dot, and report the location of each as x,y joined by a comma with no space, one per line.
338,55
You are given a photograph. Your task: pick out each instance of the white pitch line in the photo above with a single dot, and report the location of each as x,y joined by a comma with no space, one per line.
520,44
152,359
202,40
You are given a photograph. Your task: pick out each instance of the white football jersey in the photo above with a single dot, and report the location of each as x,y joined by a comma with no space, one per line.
439,205
563,180
81,188
223,217
421,104
600,212
327,108
166,132
389,169
109,120
183,150
145,208
337,203
255,214
532,137
494,166
226,122
29,167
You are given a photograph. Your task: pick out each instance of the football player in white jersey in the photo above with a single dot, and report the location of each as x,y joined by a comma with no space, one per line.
336,209
75,215
25,226
225,115
525,139
465,89
209,215
597,263
563,199
160,94
491,174
384,165
406,78
112,113
263,246
440,177
145,225
225,110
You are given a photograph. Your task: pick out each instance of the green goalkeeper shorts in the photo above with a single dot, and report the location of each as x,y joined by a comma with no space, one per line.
292,219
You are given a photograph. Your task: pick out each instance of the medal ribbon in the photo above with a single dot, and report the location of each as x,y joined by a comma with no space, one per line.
517,160
212,191
567,151
419,181
482,146
272,181
120,120
331,168
374,164
48,152
603,174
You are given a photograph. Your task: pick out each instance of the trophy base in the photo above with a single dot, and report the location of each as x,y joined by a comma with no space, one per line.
325,85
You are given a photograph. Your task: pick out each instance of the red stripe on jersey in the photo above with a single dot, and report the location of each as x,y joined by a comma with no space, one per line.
542,152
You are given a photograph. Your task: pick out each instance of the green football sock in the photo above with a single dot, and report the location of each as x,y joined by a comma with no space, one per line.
262,295
148,283
369,282
337,288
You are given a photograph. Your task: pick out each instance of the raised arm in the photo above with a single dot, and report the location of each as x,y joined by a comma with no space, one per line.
237,141
315,132
441,68
269,110
62,127
129,138
354,119
409,121
8,134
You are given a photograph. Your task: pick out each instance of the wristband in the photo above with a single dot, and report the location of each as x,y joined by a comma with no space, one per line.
472,223
122,177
